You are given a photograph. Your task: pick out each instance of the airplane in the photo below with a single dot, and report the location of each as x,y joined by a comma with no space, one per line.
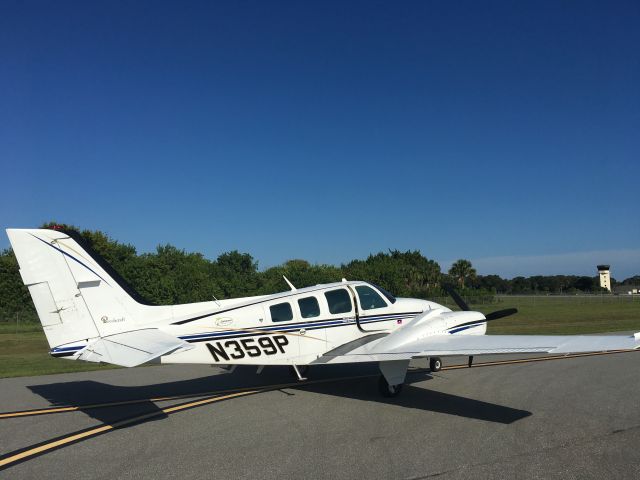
89,312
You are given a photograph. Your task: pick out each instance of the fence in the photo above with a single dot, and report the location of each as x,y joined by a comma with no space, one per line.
27,320
20,321
515,300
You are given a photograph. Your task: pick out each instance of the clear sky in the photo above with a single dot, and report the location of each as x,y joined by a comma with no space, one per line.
503,132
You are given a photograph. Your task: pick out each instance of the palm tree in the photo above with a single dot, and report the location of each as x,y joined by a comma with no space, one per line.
462,270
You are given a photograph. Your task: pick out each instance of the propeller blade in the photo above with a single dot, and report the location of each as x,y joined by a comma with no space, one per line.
501,313
456,298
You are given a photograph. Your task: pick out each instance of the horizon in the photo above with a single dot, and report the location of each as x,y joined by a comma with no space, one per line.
501,266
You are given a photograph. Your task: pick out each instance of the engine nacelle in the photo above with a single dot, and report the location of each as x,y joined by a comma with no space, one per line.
435,322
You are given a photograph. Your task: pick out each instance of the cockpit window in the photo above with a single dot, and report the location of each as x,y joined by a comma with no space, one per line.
339,301
309,307
389,296
369,298
281,312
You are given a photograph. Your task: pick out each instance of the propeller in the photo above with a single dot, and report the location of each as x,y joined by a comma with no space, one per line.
465,308
456,298
501,313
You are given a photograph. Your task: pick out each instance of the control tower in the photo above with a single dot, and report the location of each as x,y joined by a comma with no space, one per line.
605,277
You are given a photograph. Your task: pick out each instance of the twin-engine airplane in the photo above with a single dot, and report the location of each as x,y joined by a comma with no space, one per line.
88,312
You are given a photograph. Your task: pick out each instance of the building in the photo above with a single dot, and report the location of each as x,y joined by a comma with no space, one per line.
626,290
605,277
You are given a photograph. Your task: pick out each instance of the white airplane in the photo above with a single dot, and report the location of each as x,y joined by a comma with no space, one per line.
89,313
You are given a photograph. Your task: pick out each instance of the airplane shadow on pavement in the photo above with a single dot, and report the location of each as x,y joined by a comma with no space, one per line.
422,398
87,392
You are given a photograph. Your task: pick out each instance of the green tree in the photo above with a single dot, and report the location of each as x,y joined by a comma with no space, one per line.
299,272
237,274
462,270
407,274
14,296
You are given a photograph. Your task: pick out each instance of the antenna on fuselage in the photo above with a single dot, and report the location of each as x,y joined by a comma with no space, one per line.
293,289
216,300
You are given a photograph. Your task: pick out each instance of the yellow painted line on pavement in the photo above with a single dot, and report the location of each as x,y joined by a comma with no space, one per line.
75,408
31,452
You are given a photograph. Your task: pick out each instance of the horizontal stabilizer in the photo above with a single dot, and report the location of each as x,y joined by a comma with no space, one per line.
130,349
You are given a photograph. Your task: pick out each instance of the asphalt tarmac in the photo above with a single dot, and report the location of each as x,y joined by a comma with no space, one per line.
569,418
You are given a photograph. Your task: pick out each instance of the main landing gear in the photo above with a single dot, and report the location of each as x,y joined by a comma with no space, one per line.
435,364
396,370
392,378
387,390
300,372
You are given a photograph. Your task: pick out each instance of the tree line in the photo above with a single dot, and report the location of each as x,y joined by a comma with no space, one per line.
172,276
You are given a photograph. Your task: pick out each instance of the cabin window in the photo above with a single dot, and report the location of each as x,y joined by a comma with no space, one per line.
281,312
339,301
369,298
309,307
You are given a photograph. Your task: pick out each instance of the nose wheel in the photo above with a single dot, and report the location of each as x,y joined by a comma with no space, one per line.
435,364
387,390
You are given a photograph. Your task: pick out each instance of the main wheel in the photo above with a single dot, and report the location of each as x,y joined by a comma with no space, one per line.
387,390
435,364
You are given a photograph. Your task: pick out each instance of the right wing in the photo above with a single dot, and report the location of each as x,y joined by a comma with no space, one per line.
383,349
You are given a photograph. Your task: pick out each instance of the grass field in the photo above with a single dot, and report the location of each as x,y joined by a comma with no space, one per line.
565,315
24,350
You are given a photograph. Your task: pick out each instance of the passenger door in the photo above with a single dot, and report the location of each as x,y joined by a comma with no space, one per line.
341,317
312,329
283,327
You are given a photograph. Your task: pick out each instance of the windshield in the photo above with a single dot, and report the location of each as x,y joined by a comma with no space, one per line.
389,296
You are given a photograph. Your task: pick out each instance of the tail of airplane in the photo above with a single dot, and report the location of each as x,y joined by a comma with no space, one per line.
77,295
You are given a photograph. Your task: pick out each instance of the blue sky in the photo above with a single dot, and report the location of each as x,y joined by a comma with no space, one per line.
496,131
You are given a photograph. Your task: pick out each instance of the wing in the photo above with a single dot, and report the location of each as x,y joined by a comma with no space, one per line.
385,349
130,349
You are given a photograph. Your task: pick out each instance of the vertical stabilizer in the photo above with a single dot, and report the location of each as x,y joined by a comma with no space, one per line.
75,297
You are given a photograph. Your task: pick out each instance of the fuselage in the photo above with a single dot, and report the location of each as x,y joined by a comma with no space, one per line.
294,327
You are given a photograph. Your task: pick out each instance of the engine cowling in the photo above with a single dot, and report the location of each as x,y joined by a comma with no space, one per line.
435,322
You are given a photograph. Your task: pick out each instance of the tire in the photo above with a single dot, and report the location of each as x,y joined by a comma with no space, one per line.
435,364
387,390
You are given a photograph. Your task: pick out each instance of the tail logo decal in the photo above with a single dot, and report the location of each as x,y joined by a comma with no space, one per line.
106,319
